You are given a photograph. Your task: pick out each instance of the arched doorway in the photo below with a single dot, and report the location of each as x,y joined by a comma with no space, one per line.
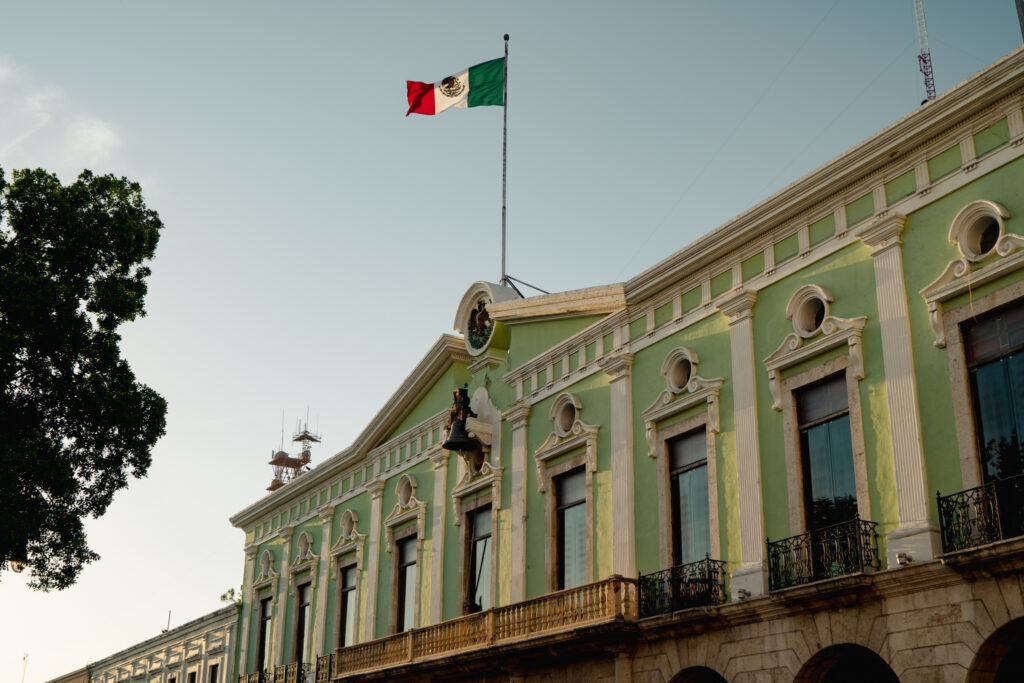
1000,658
697,674
846,663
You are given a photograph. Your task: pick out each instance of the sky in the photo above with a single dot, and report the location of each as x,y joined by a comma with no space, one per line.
317,241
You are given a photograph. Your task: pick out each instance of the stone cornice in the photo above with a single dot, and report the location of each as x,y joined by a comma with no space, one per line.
590,301
902,138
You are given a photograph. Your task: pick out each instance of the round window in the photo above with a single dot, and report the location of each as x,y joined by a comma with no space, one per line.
679,374
565,418
977,228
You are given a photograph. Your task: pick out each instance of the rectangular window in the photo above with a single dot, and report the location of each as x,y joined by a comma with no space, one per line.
263,644
214,670
347,627
995,360
406,584
191,677
478,565
688,476
571,520
830,489
303,622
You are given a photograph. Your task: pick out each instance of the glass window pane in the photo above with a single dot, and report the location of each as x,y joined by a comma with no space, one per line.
687,449
691,506
571,487
482,573
409,579
829,476
574,546
482,522
996,424
820,400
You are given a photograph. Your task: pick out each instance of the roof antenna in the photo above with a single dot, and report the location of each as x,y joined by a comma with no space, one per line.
924,60
168,622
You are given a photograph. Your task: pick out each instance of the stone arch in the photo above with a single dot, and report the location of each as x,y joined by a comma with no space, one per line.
846,663
698,674
1001,657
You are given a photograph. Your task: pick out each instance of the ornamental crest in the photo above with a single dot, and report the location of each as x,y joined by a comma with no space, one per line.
452,87
480,325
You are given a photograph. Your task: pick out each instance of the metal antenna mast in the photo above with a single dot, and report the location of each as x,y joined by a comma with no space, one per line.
924,59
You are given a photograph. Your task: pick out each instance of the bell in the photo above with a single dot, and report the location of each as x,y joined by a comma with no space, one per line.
458,439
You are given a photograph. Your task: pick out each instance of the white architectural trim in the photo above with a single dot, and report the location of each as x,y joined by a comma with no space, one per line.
408,508
516,417
349,540
951,282
698,391
792,351
578,435
368,606
305,560
916,535
439,459
751,576
618,367
326,514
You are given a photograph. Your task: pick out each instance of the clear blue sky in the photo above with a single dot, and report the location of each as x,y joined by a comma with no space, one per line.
317,241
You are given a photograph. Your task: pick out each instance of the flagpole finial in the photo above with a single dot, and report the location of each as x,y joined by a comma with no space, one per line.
506,36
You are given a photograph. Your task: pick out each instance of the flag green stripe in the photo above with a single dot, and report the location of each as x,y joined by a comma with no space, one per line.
487,83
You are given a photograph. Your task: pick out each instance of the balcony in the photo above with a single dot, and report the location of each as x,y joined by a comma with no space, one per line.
590,604
256,677
837,550
687,585
985,514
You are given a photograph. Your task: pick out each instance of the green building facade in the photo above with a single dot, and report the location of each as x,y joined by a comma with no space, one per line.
723,468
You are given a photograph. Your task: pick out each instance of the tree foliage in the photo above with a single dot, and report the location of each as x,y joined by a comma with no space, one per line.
74,422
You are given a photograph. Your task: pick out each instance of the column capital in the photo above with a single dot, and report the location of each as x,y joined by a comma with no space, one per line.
883,233
250,550
616,365
285,533
517,414
326,513
375,487
738,305
439,458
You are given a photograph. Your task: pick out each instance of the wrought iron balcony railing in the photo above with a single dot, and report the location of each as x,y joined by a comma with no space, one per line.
687,585
985,514
256,677
837,550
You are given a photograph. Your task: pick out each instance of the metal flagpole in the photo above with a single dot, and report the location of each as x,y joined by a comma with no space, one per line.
504,163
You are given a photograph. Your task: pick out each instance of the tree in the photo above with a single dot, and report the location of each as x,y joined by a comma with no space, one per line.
74,422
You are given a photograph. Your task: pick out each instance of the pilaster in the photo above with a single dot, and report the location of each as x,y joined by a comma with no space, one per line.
517,416
321,647
618,367
750,576
916,535
281,608
368,609
439,507
247,602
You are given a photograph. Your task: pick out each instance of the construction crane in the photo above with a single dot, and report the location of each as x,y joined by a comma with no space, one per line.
924,60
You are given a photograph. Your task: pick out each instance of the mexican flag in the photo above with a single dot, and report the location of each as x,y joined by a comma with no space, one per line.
477,86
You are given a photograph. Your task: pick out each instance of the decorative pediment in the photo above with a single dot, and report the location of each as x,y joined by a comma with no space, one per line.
795,349
697,391
487,477
406,509
305,558
267,576
959,275
349,540
569,434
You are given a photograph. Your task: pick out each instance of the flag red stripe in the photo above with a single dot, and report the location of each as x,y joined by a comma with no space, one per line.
421,97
